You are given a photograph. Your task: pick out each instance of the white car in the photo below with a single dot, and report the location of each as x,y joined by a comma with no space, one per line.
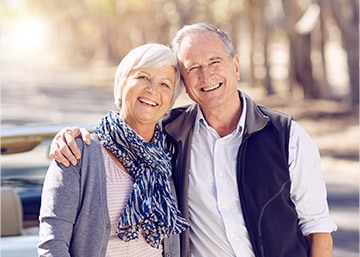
24,162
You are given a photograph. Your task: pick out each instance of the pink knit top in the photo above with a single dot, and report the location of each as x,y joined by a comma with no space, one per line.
119,185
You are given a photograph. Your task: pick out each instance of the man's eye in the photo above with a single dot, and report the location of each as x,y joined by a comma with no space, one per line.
193,68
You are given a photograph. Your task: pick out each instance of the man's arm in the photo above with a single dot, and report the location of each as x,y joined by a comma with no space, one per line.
64,148
308,192
320,244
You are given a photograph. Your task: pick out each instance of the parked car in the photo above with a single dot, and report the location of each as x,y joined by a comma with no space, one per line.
24,162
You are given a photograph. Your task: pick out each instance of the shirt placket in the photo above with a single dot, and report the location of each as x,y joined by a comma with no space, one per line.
226,194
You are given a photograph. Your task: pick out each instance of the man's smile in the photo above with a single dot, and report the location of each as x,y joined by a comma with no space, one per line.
207,89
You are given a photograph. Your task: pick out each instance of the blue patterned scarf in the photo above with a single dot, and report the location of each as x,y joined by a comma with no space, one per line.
151,205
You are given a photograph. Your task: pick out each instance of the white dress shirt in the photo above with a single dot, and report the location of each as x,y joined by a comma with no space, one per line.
217,223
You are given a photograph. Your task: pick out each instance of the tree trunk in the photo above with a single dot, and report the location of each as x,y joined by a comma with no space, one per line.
304,69
265,29
349,26
185,9
322,79
251,24
300,31
289,24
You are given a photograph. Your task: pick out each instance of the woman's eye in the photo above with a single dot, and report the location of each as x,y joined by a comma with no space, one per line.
165,85
143,77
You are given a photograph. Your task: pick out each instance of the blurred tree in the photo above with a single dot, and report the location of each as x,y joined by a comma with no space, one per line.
266,30
110,28
299,25
346,14
186,13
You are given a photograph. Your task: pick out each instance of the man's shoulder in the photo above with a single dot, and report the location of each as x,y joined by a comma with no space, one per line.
275,114
281,121
174,114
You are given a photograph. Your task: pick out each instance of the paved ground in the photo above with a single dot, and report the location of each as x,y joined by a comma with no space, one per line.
344,206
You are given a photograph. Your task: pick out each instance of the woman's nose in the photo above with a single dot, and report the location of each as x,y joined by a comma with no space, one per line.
151,87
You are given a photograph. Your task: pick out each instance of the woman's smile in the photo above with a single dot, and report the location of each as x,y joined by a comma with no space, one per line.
148,102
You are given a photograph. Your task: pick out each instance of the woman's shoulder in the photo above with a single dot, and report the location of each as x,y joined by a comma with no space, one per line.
94,142
92,150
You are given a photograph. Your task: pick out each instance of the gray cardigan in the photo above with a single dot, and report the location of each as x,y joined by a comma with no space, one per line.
74,217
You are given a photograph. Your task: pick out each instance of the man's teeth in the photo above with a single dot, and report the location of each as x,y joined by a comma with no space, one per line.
147,102
207,89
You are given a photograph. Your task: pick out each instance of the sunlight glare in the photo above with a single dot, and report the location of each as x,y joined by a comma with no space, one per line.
30,33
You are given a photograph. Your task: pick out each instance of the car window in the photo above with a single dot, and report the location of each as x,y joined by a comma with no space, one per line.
26,172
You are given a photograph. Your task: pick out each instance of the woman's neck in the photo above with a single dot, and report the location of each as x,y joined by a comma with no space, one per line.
145,130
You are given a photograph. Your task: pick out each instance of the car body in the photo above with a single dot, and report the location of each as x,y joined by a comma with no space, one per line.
24,162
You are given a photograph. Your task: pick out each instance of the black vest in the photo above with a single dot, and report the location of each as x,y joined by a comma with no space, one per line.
264,188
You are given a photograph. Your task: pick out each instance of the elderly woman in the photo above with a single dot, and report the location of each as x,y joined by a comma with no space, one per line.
119,199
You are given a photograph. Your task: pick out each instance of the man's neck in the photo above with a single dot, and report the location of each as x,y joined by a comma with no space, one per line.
224,120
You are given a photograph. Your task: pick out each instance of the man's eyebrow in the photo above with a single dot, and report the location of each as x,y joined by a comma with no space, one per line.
216,58
189,65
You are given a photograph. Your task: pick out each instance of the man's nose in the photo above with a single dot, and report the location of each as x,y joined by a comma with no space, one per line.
206,73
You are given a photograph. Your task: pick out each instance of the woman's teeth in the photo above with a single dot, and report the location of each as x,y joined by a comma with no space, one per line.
146,101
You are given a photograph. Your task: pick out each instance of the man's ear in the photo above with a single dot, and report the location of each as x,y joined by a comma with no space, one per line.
236,63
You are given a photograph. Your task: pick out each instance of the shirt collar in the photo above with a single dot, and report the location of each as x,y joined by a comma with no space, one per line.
240,126
199,119
241,123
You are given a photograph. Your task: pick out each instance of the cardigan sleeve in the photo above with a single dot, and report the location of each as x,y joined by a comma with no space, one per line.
59,207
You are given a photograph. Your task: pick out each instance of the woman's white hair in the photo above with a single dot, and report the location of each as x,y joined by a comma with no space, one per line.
145,56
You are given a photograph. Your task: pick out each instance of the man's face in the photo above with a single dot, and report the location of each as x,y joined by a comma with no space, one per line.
210,76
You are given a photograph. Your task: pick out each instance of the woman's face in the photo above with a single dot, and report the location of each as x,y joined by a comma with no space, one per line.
147,94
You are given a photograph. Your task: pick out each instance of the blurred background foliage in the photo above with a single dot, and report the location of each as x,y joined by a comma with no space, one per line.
309,47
